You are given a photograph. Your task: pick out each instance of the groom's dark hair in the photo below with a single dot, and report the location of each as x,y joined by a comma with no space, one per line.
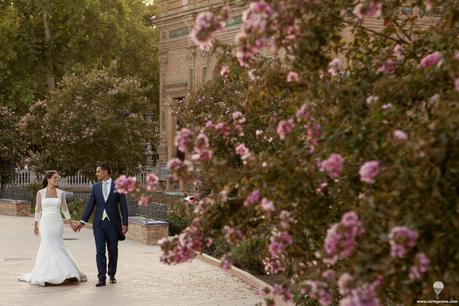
105,166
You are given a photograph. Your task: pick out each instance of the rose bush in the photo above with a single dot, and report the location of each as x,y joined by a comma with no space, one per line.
347,167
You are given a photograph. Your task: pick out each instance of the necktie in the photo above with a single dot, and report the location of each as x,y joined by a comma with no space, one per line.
105,194
105,191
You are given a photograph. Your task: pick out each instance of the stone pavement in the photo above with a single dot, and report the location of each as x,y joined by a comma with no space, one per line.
142,279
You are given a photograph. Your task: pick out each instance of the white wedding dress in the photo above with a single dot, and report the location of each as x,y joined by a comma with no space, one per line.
53,263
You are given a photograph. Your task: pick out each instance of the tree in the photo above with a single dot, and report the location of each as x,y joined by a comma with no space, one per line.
346,167
43,40
11,147
92,116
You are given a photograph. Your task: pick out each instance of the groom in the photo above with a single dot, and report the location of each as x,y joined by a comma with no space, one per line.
108,225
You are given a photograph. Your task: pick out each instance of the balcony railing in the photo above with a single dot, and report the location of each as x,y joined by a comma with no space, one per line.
174,6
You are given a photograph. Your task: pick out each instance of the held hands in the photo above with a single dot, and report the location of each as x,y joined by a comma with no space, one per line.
124,229
78,227
72,225
75,227
69,222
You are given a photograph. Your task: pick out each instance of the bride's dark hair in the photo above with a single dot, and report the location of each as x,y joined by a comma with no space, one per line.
47,176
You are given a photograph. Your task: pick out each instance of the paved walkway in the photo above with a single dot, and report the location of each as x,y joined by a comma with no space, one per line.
142,279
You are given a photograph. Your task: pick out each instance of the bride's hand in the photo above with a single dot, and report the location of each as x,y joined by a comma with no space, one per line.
35,230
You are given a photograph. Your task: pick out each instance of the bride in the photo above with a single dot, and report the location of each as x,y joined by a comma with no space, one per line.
53,263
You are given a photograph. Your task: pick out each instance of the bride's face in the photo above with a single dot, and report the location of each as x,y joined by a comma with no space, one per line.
53,180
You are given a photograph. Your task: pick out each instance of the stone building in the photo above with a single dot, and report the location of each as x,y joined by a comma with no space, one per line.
183,67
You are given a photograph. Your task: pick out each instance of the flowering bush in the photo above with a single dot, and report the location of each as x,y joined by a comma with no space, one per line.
92,116
352,209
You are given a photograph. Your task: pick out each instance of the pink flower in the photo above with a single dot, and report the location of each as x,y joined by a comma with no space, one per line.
223,129
345,283
388,66
317,290
374,10
184,247
431,59
279,242
253,198
329,274
283,292
286,219
243,152
202,142
334,66
333,166
284,128
225,71
143,200
203,154
273,265
208,241
398,51
225,262
364,295
124,184
312,135
184,140
152,180
232,235
358,11
372,99
205,26
369,171
340,240
434,99
400,135
456,84
387,106
179,169
209,124
258,24
402,239
303,113
421,265
292,77
267,205
201,148
238,117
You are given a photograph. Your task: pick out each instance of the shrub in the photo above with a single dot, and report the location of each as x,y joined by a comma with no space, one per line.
347,167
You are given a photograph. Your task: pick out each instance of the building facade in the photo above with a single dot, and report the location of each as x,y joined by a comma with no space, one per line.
183,66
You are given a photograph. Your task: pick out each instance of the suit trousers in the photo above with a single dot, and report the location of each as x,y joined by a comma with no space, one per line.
106,238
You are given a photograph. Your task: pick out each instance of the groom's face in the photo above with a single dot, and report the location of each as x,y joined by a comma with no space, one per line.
101,174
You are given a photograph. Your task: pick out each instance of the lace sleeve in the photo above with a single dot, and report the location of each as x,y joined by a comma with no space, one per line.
38,207
64,207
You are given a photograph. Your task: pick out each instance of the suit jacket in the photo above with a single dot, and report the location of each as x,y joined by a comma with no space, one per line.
116,202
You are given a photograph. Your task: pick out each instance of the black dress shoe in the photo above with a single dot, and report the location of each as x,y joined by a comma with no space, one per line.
100,284
112,280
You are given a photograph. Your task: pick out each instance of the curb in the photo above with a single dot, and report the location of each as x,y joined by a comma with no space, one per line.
244,276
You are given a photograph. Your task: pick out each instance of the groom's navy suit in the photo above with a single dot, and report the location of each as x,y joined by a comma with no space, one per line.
106,231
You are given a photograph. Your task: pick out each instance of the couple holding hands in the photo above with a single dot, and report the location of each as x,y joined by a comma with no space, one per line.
53,263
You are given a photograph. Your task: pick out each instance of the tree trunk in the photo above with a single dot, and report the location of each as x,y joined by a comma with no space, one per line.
50,75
